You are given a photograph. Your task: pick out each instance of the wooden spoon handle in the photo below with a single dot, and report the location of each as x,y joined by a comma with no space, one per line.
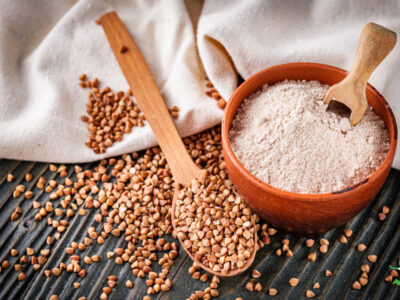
374,45
144,88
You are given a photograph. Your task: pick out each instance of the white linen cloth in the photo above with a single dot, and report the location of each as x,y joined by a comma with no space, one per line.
45,45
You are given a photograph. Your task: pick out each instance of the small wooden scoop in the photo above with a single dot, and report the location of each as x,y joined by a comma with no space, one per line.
374,45
148,96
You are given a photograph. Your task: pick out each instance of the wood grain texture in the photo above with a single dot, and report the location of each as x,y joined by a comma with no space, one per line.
382,239
148,96
374,45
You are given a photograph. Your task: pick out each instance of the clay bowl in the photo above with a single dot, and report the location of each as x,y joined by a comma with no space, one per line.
304,214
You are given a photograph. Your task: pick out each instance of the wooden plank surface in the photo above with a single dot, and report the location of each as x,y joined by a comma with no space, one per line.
381,237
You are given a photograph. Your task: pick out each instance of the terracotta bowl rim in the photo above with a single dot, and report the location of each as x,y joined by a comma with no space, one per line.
347,192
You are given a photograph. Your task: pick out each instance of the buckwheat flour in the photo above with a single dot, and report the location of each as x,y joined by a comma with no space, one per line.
286,137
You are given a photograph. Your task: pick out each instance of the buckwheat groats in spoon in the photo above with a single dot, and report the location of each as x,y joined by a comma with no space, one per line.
215,226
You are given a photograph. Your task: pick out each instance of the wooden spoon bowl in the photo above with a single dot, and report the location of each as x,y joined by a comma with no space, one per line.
221,274
304,214
148,96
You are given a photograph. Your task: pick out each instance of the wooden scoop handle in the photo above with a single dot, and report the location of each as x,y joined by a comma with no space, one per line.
144,88
374,45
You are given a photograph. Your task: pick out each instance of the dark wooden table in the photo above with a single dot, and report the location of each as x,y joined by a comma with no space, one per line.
381,237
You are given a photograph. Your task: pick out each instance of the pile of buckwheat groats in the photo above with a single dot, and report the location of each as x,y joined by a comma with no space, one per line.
215,224
110,114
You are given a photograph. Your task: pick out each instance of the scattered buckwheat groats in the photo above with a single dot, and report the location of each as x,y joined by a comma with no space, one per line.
356,285
213,93
174,111
132,197
28,177
310,243
381,216
210,292
310,294
15,215
294,282
348,232
272,292
255,274
363,279
110,115
312,256
361,247
10,177
214,224
284,249
385,211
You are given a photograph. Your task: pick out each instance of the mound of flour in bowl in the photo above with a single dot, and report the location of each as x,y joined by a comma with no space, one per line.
284,135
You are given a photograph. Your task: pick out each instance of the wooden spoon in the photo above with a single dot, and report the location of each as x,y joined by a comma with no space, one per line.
374,45
148,96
